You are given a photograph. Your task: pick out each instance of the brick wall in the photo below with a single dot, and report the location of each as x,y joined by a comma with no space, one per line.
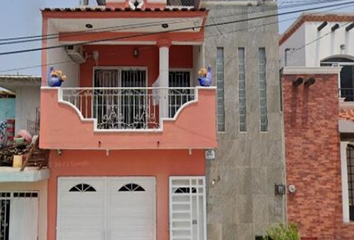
312,152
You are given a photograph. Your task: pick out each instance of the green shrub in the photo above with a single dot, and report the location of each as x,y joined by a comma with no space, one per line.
283,232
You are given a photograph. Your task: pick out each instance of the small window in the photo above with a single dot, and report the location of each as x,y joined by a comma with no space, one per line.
262,89
131,187
82,187
242,90
186,190
220,89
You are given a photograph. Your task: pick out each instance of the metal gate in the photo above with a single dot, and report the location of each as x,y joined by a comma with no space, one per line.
177,97
187,208
18,215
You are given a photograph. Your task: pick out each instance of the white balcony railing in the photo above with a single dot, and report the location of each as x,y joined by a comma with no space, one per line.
127,108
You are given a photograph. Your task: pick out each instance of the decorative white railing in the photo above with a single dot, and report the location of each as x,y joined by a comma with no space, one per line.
127,108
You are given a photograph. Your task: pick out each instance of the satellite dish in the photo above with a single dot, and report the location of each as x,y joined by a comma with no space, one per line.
101,2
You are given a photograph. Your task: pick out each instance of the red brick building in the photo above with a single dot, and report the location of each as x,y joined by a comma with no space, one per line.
318,131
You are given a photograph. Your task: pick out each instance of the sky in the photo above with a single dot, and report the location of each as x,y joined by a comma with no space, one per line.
23,18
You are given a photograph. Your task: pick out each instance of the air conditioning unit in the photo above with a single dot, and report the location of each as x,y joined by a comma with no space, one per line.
76,53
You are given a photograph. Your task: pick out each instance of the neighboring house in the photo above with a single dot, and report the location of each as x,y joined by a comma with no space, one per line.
132,137
249,162
22,193
27,90
319,128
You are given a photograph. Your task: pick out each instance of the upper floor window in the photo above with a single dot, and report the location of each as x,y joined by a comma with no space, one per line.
346,88
262,89
242,90
220,89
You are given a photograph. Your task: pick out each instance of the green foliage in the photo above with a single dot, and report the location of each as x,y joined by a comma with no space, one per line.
283,232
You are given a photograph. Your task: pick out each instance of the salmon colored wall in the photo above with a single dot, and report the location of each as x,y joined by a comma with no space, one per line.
122,56
161,164
61,127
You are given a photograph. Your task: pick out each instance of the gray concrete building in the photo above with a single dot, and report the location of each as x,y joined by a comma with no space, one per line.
241,202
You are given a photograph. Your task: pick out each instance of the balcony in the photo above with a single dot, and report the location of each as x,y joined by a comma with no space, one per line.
128,118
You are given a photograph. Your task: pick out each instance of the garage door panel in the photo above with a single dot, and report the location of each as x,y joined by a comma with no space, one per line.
112,214
82,235
132,235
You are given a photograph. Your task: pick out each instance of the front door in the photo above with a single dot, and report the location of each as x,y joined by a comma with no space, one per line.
105,208
18,215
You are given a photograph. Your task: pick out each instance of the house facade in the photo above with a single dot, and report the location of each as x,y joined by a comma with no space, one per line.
317,51
139,150
129,128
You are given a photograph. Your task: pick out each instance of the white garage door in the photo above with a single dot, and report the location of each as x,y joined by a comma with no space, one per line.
106,208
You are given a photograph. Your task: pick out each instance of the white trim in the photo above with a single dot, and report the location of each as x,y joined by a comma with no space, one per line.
345,126
311,70
344,172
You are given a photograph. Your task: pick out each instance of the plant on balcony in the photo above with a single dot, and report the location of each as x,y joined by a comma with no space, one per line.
283,232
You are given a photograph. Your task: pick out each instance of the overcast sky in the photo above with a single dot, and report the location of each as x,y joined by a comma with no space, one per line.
23,18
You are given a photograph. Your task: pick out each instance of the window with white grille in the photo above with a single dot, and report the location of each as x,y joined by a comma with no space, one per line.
220,89
242,90
262,89
187,208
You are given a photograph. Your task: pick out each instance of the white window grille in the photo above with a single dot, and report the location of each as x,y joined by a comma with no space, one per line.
187,208
262,89
242,90
220,89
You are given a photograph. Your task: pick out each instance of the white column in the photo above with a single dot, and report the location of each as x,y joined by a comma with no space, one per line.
163,78
345,191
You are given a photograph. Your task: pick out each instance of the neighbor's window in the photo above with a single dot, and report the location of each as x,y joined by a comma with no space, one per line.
220,89
262,89
350,170
242,90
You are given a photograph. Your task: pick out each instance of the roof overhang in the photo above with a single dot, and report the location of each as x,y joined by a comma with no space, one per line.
119,26
13,82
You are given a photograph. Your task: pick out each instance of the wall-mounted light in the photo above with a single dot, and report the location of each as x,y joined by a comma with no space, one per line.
214,181
59,152
136,52
309,82
280,189
298,82
165,25
89,25
342,47
335,27
292,189
322,26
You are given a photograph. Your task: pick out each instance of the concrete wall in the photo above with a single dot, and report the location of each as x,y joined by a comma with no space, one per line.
7,106
27,100
320,44
241,202
41,187
296,40
329,45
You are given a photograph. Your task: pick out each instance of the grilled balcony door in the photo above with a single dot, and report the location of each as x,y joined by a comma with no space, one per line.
177,97
123,108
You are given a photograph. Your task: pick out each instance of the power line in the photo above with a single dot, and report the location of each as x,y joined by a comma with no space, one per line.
24,39
149,47
169,31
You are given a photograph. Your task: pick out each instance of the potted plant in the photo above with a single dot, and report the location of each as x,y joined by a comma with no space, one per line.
283,232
